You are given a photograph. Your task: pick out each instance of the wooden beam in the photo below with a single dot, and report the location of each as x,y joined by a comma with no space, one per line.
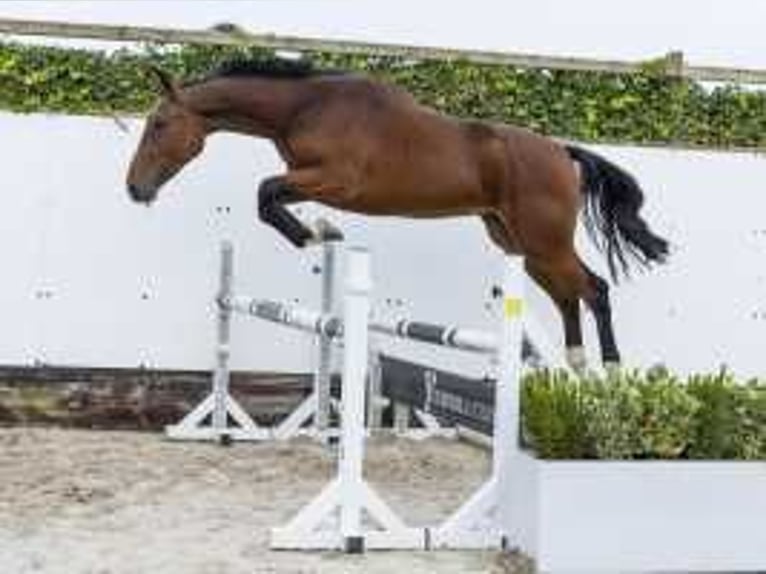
231,35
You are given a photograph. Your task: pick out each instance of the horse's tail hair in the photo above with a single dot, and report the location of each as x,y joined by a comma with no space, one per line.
613,200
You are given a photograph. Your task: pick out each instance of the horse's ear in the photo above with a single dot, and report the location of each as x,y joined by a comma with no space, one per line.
166,81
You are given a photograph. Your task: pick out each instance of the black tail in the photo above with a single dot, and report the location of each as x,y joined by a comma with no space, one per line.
612,202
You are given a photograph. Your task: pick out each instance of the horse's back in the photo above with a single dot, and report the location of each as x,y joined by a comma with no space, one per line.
393,155
390,149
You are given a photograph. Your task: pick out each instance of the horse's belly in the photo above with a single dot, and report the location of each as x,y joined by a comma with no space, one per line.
422,201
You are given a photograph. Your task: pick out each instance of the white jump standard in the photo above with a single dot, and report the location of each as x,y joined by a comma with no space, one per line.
348,496
486,520
220,406
212,419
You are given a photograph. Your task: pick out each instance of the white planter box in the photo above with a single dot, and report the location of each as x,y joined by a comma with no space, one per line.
681,516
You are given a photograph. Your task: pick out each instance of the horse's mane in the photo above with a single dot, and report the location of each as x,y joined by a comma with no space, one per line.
269,67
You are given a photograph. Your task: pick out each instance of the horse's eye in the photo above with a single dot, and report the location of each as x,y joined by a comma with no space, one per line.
160,125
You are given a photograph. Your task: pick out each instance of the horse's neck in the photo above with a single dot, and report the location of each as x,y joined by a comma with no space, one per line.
251,106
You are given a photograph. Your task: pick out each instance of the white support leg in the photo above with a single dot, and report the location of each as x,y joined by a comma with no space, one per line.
475,524
193,426
485,521
291,426
315,526
430,427
334,520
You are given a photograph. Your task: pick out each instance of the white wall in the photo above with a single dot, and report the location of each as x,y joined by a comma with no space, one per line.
78,257
67,226
706,307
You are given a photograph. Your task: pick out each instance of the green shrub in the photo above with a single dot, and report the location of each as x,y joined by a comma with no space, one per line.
554,425
751,436
613,416
653,415
668,416
717,423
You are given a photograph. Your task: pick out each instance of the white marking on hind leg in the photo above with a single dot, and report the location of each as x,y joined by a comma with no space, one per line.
577,359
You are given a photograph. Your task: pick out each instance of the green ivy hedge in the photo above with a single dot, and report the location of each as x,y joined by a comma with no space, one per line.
642,108
649,416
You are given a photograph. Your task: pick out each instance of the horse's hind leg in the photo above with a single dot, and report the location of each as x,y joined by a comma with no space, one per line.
565,281
597,298
499,235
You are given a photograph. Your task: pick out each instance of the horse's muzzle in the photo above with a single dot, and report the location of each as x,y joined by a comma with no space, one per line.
140,195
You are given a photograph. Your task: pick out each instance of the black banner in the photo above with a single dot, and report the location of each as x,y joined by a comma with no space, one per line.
451,398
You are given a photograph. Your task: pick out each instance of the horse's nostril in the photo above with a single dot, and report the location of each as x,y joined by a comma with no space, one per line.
137,194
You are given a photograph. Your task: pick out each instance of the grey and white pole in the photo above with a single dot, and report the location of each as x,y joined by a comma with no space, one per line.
323,372
227,419
223,336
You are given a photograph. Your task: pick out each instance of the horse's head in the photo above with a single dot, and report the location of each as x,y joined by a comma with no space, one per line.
173,135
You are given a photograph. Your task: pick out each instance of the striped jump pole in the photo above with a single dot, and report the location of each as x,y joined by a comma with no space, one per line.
286,314
535,347
441,335
331,326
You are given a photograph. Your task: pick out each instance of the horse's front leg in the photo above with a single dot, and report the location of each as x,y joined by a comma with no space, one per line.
274,195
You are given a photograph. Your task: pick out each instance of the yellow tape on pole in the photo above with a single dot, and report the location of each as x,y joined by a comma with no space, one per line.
512,307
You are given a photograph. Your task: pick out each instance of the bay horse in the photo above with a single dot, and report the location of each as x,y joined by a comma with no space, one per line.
363,145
